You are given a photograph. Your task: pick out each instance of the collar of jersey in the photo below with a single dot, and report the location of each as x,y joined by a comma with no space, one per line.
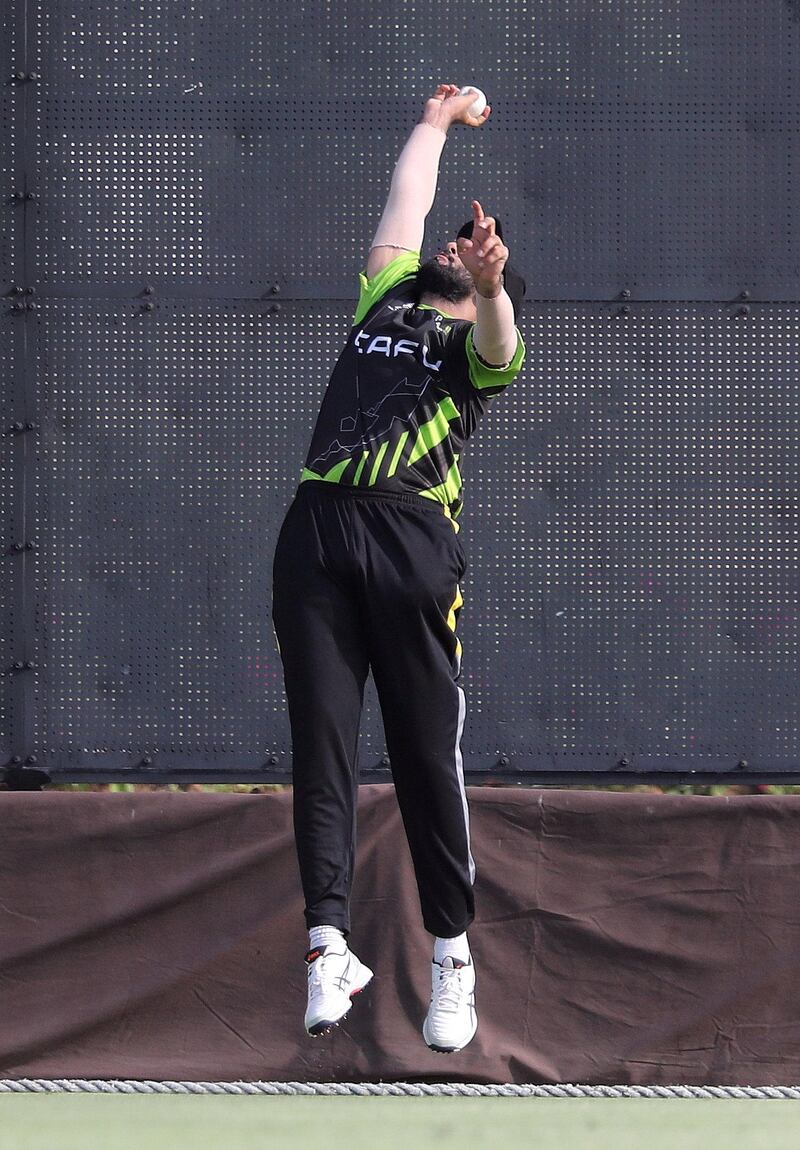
430,307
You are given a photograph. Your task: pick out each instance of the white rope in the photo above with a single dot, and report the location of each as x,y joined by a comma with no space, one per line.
372,1089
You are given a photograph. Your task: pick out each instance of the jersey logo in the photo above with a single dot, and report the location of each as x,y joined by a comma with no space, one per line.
385,345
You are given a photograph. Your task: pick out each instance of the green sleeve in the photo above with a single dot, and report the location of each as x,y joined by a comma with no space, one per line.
483,377
404,266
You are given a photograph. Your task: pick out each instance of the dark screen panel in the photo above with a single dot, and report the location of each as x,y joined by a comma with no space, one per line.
204,184
652,151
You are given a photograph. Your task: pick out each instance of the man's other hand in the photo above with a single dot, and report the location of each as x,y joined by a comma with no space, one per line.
484,256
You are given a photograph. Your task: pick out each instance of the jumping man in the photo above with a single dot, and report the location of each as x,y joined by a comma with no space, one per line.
367,572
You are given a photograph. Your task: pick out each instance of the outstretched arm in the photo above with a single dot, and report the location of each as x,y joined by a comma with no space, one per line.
416,173
484,257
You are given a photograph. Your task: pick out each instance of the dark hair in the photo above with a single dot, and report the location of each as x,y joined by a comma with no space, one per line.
512,281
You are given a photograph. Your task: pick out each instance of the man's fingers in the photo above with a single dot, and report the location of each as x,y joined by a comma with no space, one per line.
485,223
460,104
495,256
463,244
480,217
485,238
491,251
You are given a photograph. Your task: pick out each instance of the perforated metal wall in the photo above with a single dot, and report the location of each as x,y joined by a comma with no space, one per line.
189,192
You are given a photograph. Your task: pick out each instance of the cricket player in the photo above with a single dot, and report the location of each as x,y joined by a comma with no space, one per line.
367,572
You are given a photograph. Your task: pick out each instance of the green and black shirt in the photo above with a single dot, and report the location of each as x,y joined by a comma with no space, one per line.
405,394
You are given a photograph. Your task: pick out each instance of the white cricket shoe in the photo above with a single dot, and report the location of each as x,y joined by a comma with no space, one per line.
452,1019
333,981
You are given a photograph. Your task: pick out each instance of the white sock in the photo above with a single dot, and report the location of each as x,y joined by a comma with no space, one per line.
319,936
457,947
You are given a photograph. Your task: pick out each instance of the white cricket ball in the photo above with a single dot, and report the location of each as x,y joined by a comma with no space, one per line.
479,104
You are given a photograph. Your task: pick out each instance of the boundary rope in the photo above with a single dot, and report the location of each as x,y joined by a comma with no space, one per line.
391,1089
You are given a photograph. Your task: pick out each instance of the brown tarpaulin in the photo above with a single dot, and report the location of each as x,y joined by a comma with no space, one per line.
620,938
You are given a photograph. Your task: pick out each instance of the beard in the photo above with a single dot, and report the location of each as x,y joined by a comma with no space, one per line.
445,281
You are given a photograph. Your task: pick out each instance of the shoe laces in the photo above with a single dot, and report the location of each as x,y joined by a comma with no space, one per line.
450,990
321,972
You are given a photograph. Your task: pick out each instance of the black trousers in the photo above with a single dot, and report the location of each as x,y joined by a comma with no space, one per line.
361,580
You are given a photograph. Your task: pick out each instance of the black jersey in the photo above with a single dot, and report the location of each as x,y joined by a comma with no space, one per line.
405,395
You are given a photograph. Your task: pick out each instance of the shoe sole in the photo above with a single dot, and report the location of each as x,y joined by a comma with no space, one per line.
325,1027
450,1049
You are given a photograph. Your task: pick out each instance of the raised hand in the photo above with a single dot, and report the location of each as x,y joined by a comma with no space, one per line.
446,107
484,256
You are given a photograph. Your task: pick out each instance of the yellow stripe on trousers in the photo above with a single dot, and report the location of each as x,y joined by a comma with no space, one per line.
457,603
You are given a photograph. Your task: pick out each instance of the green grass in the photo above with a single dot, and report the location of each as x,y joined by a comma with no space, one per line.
119,1122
